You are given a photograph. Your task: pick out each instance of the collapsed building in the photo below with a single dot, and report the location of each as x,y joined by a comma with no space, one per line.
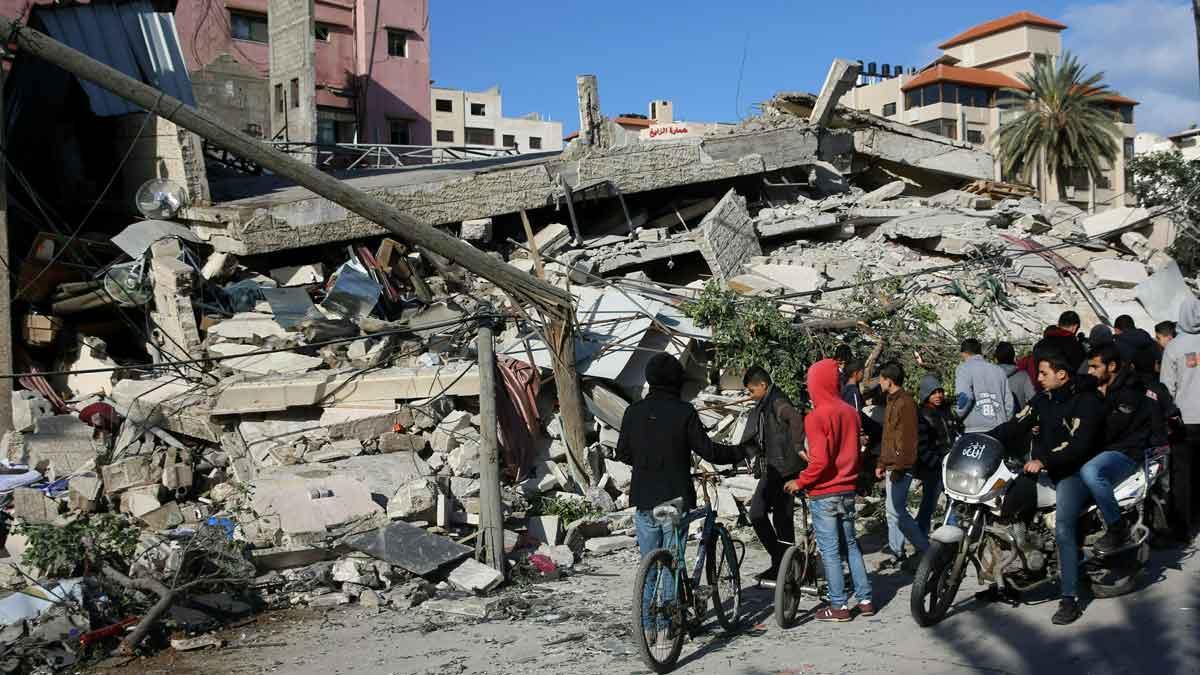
290,376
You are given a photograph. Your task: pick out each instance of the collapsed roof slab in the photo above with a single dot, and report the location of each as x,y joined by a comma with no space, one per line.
906,146
281,217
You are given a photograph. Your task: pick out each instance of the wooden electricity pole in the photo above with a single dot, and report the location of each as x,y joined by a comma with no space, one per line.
555,304
491,509
6,275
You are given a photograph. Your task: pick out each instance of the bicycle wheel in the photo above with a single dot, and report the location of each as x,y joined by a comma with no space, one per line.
724,578
793,572
658,629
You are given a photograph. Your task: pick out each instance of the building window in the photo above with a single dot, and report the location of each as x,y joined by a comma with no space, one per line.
1128,147
445,136
535,142
1102,182
478,109
510,141
1125,112
943,127
1041,59
976,97
889,109
397,43
335,126
443,105
321,32
295,92
250,27
279,98
1183,143
398,132
975,136
912,99
476,136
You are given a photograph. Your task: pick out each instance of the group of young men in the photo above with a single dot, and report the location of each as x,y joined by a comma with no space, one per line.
1087,409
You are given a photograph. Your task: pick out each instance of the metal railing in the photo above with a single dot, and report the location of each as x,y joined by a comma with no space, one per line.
361,156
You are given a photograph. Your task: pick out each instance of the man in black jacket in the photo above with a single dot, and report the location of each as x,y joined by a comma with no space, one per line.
1063,340
1068,417
937,429
779,433
658,436
1130,415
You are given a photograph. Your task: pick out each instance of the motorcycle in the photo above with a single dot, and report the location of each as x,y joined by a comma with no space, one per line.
1010,555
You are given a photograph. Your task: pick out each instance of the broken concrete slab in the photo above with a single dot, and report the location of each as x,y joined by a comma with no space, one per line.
364,424
300,275
842,77
1164,293
168,402
726,236
409,547
262,364
883,193
61,445
474,607
308,511
27,408
248,326
31,505
1113,220
796,278
604,545
1117,273
139,501
166,517
475,577
84,492
382,387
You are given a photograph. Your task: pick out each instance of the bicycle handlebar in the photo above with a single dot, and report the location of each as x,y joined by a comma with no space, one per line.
724,473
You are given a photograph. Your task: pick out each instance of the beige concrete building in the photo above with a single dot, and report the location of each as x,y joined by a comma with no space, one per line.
661,125
965,94
475,119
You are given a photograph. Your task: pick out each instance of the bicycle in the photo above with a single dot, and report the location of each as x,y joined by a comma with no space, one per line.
800,573
667,598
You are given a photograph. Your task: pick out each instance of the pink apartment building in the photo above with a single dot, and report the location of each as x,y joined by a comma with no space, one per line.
363,76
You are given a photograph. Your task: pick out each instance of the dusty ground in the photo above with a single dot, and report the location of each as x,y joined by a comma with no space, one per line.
578,625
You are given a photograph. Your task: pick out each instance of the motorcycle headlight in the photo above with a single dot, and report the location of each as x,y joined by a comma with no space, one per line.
964,482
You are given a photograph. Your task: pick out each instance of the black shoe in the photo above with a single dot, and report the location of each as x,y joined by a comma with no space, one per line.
1068,612
1115,538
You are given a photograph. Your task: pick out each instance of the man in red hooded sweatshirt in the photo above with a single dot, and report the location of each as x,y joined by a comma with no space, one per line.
832,430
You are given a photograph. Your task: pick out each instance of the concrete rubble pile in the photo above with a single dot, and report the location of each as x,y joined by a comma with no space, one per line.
321,406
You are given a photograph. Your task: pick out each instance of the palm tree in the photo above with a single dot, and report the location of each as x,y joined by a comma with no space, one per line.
1067,123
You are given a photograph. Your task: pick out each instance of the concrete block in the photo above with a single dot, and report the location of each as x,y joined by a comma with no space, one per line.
478,230
881,194
475,577
166,517
139,501
364,423
456,420
414,501
621,473
330,600
33,506
393,442
1118,273
130,473
443,440
604,545
609,436
551,238
841,78
84,492
27,408
653,234
356,571
545,529
464,487
478,608
562,555
176,474
464,460
306,511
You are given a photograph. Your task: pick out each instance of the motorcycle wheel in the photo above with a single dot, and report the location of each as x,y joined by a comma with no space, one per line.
936,584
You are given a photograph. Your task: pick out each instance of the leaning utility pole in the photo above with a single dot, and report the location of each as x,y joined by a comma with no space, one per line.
6,275
554,304
491,507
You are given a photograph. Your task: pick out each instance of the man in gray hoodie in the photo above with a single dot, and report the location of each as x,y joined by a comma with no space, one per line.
1018,380
983,400
1181,376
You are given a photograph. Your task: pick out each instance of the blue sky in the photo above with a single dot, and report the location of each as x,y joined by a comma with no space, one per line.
691,52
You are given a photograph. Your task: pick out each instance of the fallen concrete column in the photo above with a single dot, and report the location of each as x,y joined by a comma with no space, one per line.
842,76
726,236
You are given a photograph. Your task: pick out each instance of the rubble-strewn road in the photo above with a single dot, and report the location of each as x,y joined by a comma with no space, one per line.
1153,631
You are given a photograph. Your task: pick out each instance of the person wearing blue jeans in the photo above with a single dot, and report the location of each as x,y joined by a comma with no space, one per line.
1132,420
897,458
652,535
833,527
901,524
1071,498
